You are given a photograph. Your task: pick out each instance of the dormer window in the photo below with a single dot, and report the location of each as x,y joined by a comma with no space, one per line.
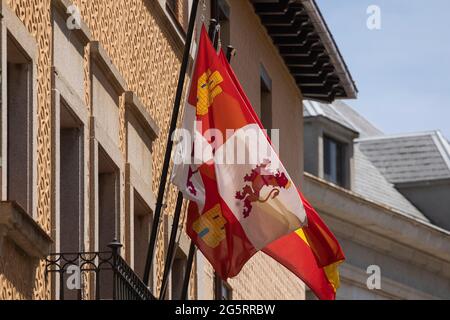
334,161
328,143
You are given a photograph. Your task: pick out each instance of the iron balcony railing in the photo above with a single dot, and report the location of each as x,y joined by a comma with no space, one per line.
96,275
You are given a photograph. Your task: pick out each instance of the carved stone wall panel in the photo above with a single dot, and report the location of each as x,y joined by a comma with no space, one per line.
41,290
123,148
16,273
35,15
193,283
148,59
87,79
88,241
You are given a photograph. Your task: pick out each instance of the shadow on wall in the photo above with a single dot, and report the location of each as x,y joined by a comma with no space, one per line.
17,272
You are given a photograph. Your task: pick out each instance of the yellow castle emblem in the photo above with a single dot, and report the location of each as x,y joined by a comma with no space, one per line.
208,89
211,227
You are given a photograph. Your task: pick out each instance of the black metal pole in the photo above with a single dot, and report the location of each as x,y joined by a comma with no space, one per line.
215,10
115,250
212,29
61,285
215,15
173,235
187,274
172,246
173,125
231,52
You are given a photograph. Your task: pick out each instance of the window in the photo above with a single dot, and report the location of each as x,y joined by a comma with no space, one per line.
222,289
19,84
180,10
142,223
108,212
141,130
71,181
220,10
334,161
70,152
69,174
266,100
108,199
178,272
107,87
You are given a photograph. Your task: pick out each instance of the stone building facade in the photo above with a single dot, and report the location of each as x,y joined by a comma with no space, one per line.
87,93
85,111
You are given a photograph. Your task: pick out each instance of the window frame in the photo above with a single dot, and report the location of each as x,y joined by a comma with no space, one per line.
102,69
63,94
341,158
219,286
180,258
137,116
148,219
266,100
13,28
172,7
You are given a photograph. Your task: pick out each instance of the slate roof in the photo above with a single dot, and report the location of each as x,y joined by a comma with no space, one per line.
364,127
409,157
343,114
370,181
371,184
315,109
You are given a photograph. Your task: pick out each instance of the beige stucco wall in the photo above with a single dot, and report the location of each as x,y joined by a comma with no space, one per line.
254,47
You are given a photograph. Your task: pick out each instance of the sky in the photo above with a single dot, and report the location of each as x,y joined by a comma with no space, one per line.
402,70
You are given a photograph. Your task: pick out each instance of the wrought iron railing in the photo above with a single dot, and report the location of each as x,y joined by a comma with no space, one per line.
96,275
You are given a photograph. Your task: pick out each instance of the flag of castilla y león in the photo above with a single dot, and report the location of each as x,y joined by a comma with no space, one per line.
242,199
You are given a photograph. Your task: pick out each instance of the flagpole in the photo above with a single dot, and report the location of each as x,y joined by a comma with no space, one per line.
176,218
231,52
187,274
173,125
170,257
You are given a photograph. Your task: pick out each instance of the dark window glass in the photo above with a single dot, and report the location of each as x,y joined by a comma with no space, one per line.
223,290
334,154
178,272
19,110
220,10
266,100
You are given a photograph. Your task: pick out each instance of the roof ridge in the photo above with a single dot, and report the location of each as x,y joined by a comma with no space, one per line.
356,128
443,147
328,111
348,108
398,136
312,108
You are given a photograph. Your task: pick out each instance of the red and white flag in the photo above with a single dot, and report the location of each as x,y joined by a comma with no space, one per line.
242,198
